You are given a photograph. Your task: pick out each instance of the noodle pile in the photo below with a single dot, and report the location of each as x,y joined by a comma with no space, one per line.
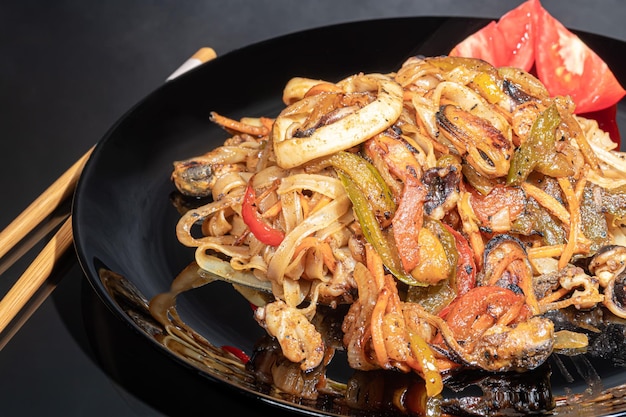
407,195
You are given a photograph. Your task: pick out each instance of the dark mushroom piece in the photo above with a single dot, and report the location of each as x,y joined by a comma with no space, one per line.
615,295
443,190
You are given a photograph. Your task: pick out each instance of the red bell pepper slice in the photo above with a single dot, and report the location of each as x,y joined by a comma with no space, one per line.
466,267
251,217
240,354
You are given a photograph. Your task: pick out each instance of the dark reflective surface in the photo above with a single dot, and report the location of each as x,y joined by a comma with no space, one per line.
69,70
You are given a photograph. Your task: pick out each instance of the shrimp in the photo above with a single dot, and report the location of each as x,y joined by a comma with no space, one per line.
299,339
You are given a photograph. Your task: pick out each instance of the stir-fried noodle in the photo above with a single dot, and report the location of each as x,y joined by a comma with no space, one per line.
450,204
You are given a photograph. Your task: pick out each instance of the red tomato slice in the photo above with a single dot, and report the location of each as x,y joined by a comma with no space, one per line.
567,66
485,44
509,42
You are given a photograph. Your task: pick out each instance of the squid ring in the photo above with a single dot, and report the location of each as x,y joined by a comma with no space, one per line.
343,134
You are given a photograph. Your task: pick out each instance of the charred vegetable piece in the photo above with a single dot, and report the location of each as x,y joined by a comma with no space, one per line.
373,233
369,181
614,202
438,267
593,219
449,63
535,220
537,147
443,189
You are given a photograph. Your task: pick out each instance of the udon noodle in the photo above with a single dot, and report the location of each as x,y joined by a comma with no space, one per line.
450,204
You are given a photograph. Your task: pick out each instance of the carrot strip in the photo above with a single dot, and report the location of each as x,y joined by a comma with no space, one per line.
585,148
233,124
552,251
547,201
272,211
470,227
375,266
378,338
554,296
268,122
327,253
323,87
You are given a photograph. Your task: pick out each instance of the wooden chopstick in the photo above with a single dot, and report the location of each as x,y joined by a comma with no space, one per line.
42,206
36,274
42,266
39,270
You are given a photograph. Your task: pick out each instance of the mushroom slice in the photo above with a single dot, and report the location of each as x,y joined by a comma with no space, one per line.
608,262
350,130
615,295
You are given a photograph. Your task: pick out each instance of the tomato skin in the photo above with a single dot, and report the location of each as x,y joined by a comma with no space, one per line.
518,35
466,267
508,42
486,44
567,66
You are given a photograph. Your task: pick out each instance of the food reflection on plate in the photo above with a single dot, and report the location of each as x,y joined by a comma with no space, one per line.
476,393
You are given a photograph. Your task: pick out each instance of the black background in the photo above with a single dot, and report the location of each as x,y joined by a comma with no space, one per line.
68,70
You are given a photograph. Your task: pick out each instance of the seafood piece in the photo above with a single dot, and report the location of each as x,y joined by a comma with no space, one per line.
608,262
519,348
197,176
521,86
299,340
477,140
615,295
294,146
443,190
490,328
356,323
380,333
506,265
584,291
609,267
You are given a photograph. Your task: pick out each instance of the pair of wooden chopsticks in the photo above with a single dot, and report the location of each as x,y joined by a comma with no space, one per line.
42,266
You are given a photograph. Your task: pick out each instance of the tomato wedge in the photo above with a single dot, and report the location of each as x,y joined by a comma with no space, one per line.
529,35
567,66
509,42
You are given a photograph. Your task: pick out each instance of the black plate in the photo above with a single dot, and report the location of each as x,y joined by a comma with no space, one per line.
124,222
